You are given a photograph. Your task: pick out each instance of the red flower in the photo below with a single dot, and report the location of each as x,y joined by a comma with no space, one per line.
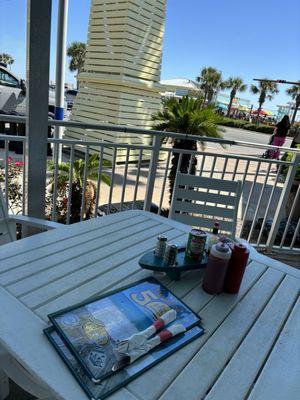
9,159
65,201
19,164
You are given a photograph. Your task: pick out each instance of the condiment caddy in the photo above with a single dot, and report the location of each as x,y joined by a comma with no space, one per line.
224,260
150,261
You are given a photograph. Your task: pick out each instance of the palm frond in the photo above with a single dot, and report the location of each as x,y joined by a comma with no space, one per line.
254,89
186,116
294,91
106,179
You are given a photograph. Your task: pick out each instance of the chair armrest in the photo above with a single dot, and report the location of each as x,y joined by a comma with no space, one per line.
35,222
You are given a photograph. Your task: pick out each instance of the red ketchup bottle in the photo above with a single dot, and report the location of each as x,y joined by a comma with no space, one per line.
216,268
236,268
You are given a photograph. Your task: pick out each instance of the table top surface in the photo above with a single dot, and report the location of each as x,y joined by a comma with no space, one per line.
251,343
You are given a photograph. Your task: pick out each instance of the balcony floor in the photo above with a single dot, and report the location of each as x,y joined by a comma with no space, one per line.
290,259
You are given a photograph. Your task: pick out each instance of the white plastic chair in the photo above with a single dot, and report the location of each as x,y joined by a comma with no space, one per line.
8,223
199,201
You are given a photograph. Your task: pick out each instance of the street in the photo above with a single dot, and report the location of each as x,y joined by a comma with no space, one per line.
247,136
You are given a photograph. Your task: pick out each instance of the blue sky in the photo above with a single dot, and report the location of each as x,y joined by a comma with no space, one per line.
250,39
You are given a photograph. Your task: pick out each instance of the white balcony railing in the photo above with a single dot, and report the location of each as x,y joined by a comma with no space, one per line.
268,212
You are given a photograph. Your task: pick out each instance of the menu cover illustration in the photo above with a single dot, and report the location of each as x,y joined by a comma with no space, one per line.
114,382
92,330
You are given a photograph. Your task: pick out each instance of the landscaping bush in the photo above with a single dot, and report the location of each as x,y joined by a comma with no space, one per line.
241,124
233,123
260,128
288,156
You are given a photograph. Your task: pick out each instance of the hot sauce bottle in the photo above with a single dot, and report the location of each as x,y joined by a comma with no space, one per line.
236,268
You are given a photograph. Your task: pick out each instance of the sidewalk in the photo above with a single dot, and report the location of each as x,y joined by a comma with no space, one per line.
161,193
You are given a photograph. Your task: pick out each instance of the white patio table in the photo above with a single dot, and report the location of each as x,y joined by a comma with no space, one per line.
250,348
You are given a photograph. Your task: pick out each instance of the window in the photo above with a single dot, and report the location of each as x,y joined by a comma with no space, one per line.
8,80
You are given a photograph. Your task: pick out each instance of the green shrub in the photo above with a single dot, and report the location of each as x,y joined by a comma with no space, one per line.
288,156
241,124
234,123
265,129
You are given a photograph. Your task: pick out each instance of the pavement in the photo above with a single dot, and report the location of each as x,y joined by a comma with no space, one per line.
247,136
158,198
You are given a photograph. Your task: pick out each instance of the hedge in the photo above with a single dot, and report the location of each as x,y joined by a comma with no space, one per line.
288,156
237,123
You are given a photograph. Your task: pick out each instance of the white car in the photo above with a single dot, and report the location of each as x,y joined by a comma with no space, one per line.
13,94
70,95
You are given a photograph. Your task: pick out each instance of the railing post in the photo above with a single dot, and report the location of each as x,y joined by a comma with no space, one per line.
62,21
283,201
152,171
37,100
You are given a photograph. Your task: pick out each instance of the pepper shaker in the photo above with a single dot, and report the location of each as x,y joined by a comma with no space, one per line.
170,255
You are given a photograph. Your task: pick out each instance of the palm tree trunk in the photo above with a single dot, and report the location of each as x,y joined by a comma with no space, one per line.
229,105
90,199
258,111
295,113
185,162
75,203
210,96
204,100
77,83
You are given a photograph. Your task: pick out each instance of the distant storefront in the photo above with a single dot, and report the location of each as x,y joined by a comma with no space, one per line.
224,99
182,87
286,109
179,87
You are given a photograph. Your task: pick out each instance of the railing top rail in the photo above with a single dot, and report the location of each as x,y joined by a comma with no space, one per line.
228,155
79,142
13,138
140,131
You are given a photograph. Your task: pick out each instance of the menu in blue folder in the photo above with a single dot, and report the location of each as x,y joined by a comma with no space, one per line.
114,382
86,334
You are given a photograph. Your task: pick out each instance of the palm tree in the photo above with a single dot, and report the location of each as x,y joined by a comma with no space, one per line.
77,185
76,51
266,90
294,92
210,80
186,116
236,84
6,58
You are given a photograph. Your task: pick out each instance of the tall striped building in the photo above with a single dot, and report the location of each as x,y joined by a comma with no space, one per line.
120,84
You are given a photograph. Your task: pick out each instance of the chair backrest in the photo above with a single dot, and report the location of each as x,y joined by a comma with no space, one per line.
199,201
7,229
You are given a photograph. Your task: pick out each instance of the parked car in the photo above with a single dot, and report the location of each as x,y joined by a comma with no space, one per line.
13,94
70,95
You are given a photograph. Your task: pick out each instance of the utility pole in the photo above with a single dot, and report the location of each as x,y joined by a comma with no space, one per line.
277,81
62,22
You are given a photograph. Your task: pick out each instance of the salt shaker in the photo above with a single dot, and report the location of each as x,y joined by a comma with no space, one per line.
160,247
236,268
216,268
